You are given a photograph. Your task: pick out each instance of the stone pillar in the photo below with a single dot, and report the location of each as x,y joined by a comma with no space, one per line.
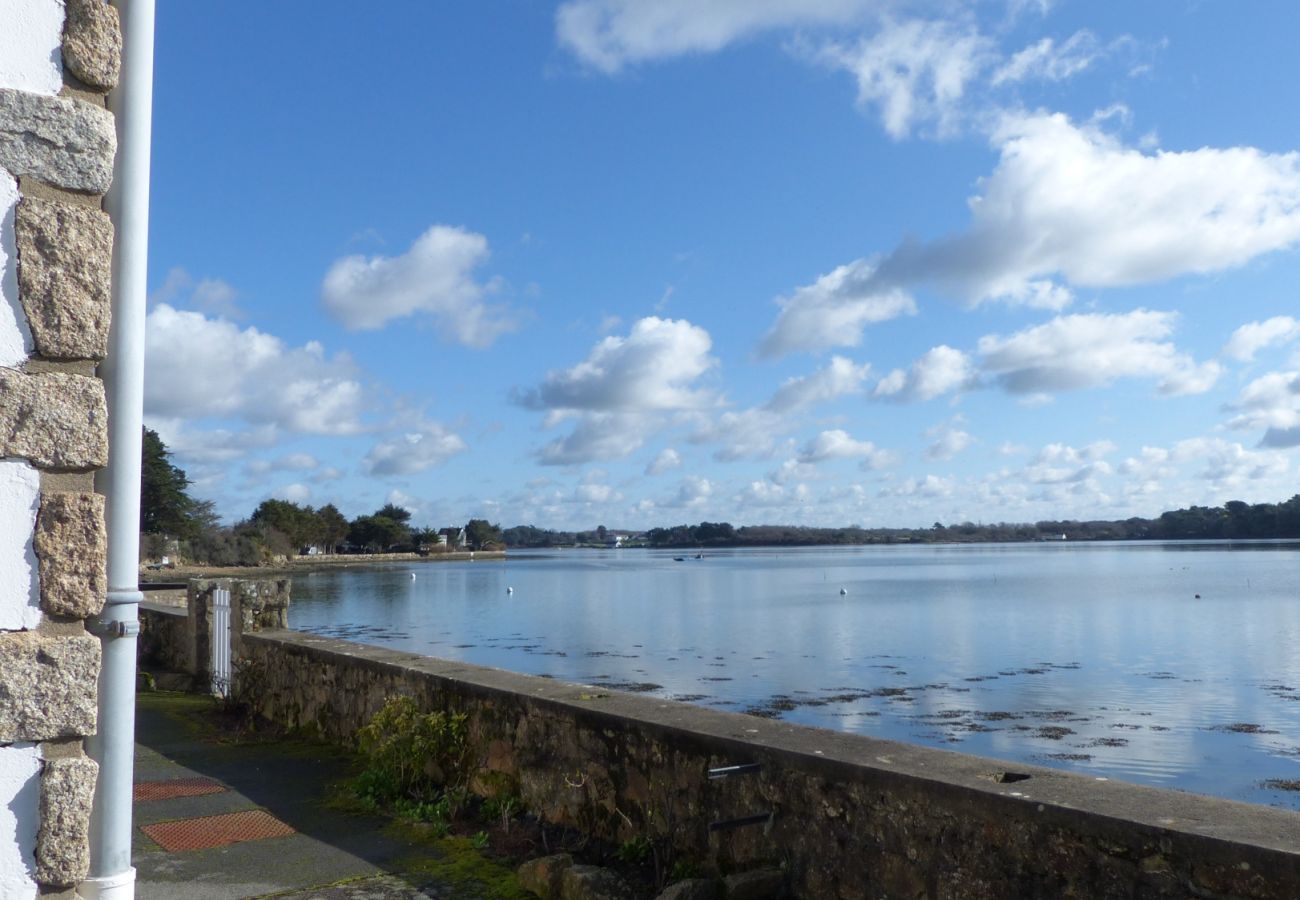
256,604
58,60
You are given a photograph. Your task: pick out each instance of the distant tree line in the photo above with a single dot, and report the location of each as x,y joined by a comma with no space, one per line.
1234,519
175,525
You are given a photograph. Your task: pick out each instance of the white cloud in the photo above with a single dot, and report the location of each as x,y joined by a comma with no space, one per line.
294,493
838,444
1063,464
610,34
764,494
1252,337
692,491
792,470
1148,467
621,392
840,377
948,439
1046,60
1271,402
198,367
833,311
594,492
938,371
667,459
652,369
750,433
929,486
414,451
1230,466
208,295
1083,351
1071,202
293,462
435,276
915,71
210,446
600,436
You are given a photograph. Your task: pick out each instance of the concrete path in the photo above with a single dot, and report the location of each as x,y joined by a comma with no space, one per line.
218,820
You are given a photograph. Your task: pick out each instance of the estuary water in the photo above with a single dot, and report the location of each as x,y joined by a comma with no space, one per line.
1174,664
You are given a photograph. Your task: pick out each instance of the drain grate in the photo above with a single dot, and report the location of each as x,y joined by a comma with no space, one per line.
177,787
216,831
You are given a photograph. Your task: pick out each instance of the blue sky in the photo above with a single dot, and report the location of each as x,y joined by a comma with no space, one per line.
819,262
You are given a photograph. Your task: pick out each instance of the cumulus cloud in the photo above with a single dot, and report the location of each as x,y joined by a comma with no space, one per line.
1271,402
210,368
595,492
749,433
1229,465
841,376
938,371
413,451
667,459
692,491
1070,202
1063,464
652,369
1083,351
1253,337
765,494
434,277
294,493
948,439
838,444
1067,206
914,71
611,34
623,389
834,310
599,436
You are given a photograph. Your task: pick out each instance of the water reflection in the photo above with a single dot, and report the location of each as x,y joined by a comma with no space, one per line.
1095,657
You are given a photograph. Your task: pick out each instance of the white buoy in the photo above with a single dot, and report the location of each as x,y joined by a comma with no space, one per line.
843,591
510,590
412,576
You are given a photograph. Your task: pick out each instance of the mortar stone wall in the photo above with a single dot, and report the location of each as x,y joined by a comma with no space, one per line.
853,817
58,60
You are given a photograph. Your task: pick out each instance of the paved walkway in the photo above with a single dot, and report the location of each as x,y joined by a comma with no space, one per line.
215,821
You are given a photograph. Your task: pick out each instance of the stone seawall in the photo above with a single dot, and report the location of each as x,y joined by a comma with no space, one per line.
851,816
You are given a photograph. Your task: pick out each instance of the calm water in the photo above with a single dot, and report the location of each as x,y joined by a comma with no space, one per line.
1098,658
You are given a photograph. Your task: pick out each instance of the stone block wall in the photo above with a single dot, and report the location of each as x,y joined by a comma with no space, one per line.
58,60
852,817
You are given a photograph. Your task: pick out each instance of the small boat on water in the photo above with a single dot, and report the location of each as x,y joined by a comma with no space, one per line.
679,559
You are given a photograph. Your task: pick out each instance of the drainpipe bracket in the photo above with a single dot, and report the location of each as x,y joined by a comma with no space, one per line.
112,628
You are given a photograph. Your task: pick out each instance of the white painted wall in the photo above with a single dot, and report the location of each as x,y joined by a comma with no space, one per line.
31,32
15,337
20,492
20,788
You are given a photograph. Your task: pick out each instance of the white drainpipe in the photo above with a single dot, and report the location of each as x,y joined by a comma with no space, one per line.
113,747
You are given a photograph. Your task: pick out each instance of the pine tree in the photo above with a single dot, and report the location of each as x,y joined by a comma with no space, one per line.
166,508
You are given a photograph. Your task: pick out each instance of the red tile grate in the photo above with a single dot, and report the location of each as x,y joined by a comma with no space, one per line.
216,831
176,787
